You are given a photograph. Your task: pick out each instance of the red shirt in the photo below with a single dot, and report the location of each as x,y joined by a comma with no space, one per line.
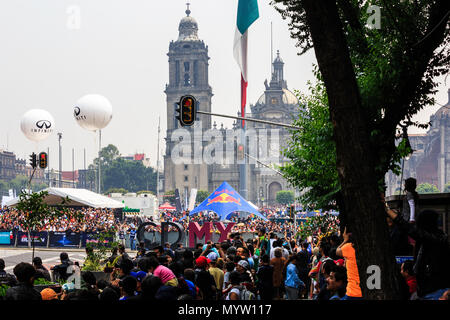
412,284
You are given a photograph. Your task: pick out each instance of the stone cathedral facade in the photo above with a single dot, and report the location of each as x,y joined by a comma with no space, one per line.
188,74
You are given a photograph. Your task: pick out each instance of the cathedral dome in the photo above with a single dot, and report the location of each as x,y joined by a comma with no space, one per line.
288,98
444,111
188,28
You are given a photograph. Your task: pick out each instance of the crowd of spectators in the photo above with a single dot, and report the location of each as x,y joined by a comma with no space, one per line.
267,267
92,220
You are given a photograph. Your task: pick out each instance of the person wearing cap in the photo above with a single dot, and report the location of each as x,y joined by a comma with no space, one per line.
243,267
139,276
127,287
217,274
49,294
203,279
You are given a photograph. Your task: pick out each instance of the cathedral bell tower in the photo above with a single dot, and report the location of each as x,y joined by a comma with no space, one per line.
188,74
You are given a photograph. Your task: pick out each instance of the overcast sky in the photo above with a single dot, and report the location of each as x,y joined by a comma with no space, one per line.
120,51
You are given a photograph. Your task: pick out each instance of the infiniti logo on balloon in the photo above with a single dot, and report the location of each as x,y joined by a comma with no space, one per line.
43,123
76,112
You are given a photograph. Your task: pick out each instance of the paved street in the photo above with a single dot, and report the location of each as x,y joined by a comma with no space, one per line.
49,257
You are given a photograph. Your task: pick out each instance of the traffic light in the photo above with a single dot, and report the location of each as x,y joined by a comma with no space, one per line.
291,211
186,110
43,160
240,151
33,160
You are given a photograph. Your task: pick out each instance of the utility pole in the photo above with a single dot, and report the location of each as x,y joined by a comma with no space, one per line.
157,163
85,172
73,167
60,159
99,159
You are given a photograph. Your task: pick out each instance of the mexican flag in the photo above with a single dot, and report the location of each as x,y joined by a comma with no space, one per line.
246,15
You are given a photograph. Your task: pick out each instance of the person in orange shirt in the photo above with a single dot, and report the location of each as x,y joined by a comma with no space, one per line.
347,251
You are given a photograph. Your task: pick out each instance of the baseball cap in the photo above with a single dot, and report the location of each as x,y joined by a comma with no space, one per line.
212,256
49,294
140,275
244,264
339,262
202,261
69,286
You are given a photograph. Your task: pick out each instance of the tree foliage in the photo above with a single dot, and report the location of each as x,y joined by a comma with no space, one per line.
396,66
201,196
35,211
376,80
19,183
447,188
312,151
118,173
427,188
285,197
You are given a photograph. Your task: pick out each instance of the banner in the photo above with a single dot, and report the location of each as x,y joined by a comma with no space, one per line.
64,239
192,199
178,201
40,239
6,238
92,238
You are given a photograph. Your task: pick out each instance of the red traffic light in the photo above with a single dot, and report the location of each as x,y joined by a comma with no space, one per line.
43,160
187,110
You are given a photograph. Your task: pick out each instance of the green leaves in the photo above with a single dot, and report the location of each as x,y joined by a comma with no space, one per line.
118,173
285,197
35,211
312,150
424,188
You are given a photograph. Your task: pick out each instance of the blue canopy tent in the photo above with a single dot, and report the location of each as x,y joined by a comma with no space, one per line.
224,201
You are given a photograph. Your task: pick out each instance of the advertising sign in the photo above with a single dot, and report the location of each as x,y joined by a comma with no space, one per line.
65,239
6,238
92,238
40,239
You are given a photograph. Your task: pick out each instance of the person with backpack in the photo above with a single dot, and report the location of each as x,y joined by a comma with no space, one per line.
238,290
235,292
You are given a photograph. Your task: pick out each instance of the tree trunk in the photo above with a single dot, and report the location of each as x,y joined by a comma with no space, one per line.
364,212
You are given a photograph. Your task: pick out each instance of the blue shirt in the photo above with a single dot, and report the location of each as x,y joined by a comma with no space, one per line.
292,279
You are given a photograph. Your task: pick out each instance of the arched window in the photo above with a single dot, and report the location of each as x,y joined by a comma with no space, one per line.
187,80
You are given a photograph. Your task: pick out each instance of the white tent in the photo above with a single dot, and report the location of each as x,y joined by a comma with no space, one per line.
77,198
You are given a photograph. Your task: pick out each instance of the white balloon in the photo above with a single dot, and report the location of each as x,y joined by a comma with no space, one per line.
37,124
93,112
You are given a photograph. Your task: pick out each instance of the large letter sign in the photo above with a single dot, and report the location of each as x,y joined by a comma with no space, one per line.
164,229
197,232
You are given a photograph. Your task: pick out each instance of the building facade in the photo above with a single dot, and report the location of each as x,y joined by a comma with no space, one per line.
430,161
188,74
7,165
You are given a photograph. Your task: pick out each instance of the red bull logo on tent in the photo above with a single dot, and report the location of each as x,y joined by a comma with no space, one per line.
224,198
